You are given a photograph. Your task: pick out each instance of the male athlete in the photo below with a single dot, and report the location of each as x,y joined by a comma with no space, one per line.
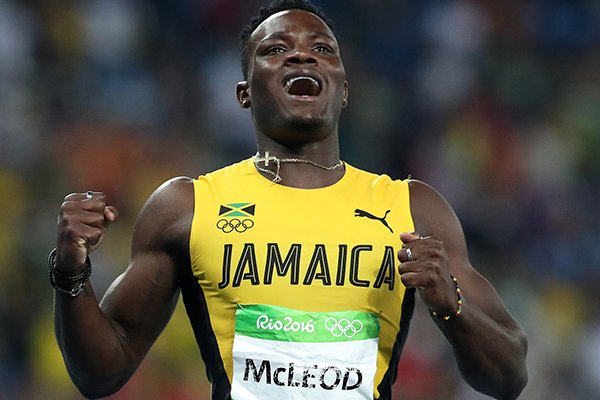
298,271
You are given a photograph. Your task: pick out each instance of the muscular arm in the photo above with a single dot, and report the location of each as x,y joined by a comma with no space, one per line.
103,343
489,345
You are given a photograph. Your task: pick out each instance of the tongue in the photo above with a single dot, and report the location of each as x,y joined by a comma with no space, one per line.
304,87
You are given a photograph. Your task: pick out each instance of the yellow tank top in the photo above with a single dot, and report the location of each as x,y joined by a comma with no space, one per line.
332,249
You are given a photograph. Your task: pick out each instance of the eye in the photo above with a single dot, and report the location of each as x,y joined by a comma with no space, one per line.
277,49
323,48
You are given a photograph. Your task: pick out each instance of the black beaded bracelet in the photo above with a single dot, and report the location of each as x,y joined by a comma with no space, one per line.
81,277
459,302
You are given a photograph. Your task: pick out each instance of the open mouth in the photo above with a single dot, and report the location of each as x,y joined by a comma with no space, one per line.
302,86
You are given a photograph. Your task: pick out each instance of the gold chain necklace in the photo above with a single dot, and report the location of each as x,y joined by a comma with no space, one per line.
278,161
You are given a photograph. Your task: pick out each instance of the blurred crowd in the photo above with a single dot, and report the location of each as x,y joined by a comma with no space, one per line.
494,103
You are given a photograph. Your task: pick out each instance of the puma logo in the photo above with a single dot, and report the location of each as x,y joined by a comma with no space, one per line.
362,213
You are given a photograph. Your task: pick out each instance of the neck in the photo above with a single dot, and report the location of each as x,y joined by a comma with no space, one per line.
299,170
316,147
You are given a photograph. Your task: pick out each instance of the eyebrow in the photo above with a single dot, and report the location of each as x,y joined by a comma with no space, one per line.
284,35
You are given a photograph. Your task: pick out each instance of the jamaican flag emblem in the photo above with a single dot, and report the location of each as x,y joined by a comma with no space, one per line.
236,217
237,210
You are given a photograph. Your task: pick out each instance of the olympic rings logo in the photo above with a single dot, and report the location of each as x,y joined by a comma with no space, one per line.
343,327
234,224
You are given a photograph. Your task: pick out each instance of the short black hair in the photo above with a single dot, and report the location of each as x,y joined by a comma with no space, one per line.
273,7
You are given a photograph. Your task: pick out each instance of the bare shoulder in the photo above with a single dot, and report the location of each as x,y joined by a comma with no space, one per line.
432,214
174,193
173,196
166,216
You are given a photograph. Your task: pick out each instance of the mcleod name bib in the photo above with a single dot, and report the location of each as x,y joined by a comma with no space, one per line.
281,353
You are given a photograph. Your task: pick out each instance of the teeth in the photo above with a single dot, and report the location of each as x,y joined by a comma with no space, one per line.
290,82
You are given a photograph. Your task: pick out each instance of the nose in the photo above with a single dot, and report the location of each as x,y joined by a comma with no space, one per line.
301,56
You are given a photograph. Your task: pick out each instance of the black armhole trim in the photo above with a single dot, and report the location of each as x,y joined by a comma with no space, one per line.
408,307
197,311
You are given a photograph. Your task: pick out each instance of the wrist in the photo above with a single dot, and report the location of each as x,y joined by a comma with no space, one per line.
65,264
455,314
72,285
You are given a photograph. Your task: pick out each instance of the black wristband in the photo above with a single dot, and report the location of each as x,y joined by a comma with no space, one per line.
81,277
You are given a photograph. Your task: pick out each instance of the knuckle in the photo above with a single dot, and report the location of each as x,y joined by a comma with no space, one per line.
401,269
97,219
439,245
71,196
99,196
66,206
69,207
405,279
437,252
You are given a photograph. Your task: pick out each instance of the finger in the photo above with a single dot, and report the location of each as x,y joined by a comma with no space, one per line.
72,218
74,197
414,280
405,267
99,219
86,202
408,237
406,254
89,195
92,235
111,214
95,199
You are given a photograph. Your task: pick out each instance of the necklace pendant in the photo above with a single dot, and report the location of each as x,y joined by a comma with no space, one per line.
266,159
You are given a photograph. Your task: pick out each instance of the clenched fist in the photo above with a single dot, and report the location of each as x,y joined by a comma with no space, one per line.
424,265
82,222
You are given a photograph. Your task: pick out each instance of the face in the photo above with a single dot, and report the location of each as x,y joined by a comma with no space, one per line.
296,80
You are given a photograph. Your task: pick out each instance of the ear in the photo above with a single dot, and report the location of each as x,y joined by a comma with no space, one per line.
345,99
242,92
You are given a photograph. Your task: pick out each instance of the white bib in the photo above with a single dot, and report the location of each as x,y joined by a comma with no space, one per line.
281,353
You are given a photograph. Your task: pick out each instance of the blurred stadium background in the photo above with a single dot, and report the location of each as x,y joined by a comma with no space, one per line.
495,103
